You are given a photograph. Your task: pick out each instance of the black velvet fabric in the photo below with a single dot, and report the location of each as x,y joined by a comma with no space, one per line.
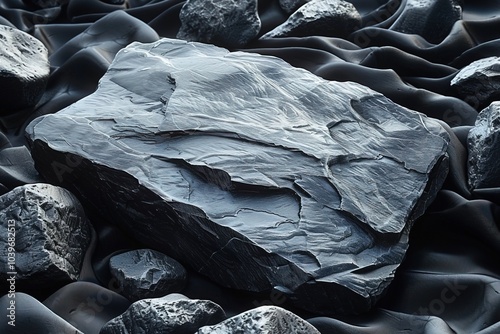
449,280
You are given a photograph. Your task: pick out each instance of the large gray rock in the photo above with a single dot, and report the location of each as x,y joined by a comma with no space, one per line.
262,320
483,144
145,273
174,313
479,83
46,230
254,173
335,18
431,19
228,23
24,69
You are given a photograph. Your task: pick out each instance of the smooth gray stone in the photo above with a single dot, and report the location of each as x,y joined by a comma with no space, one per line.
145,273
335,18
252,172
17,167
228,23
479,83
290,6
483,143
23,314
24,69
431,19
262,320
49,232
173,313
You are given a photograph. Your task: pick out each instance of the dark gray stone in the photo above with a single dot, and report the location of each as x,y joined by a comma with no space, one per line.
17,167
24,69
290,6
51,235
174,313
479,83
253,172
28,315
431,19
335,18
228,23
483,143
262,320
145,273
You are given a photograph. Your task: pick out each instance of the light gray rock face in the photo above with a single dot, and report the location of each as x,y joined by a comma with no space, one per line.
228,23
483,144
262,320
336,18
253,172
49,232
290,6
24,69
479,83
431,19
145,273
174,313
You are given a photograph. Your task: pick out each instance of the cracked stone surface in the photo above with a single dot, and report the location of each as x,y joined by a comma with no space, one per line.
431,19
252,172
51,234
479,83
262,320
24,69
174,313
228,23
483,143
145,273
336,18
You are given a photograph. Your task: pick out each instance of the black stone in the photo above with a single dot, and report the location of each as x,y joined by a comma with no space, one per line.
174,313
24,70
254,173
145,273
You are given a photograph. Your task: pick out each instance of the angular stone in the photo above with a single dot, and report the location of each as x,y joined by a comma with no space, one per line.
48,231
145,273
254,173
174,313
431,19
290,6
479,83
483,143
262,320
17,167
24,69
30,316
228,23
336,18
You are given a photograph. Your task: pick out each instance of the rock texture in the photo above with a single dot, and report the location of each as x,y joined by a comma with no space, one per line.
228,23
483,143
255,173
145,273
262,320
479,83
21,313
174,313
290,6
431,19
24,69
336,18
17,167
46,228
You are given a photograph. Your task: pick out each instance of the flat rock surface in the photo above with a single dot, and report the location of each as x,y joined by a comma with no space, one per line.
146,273
192,162
173,313
228,23
262,320
479,82
336,18
24,69
483,143
49,235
